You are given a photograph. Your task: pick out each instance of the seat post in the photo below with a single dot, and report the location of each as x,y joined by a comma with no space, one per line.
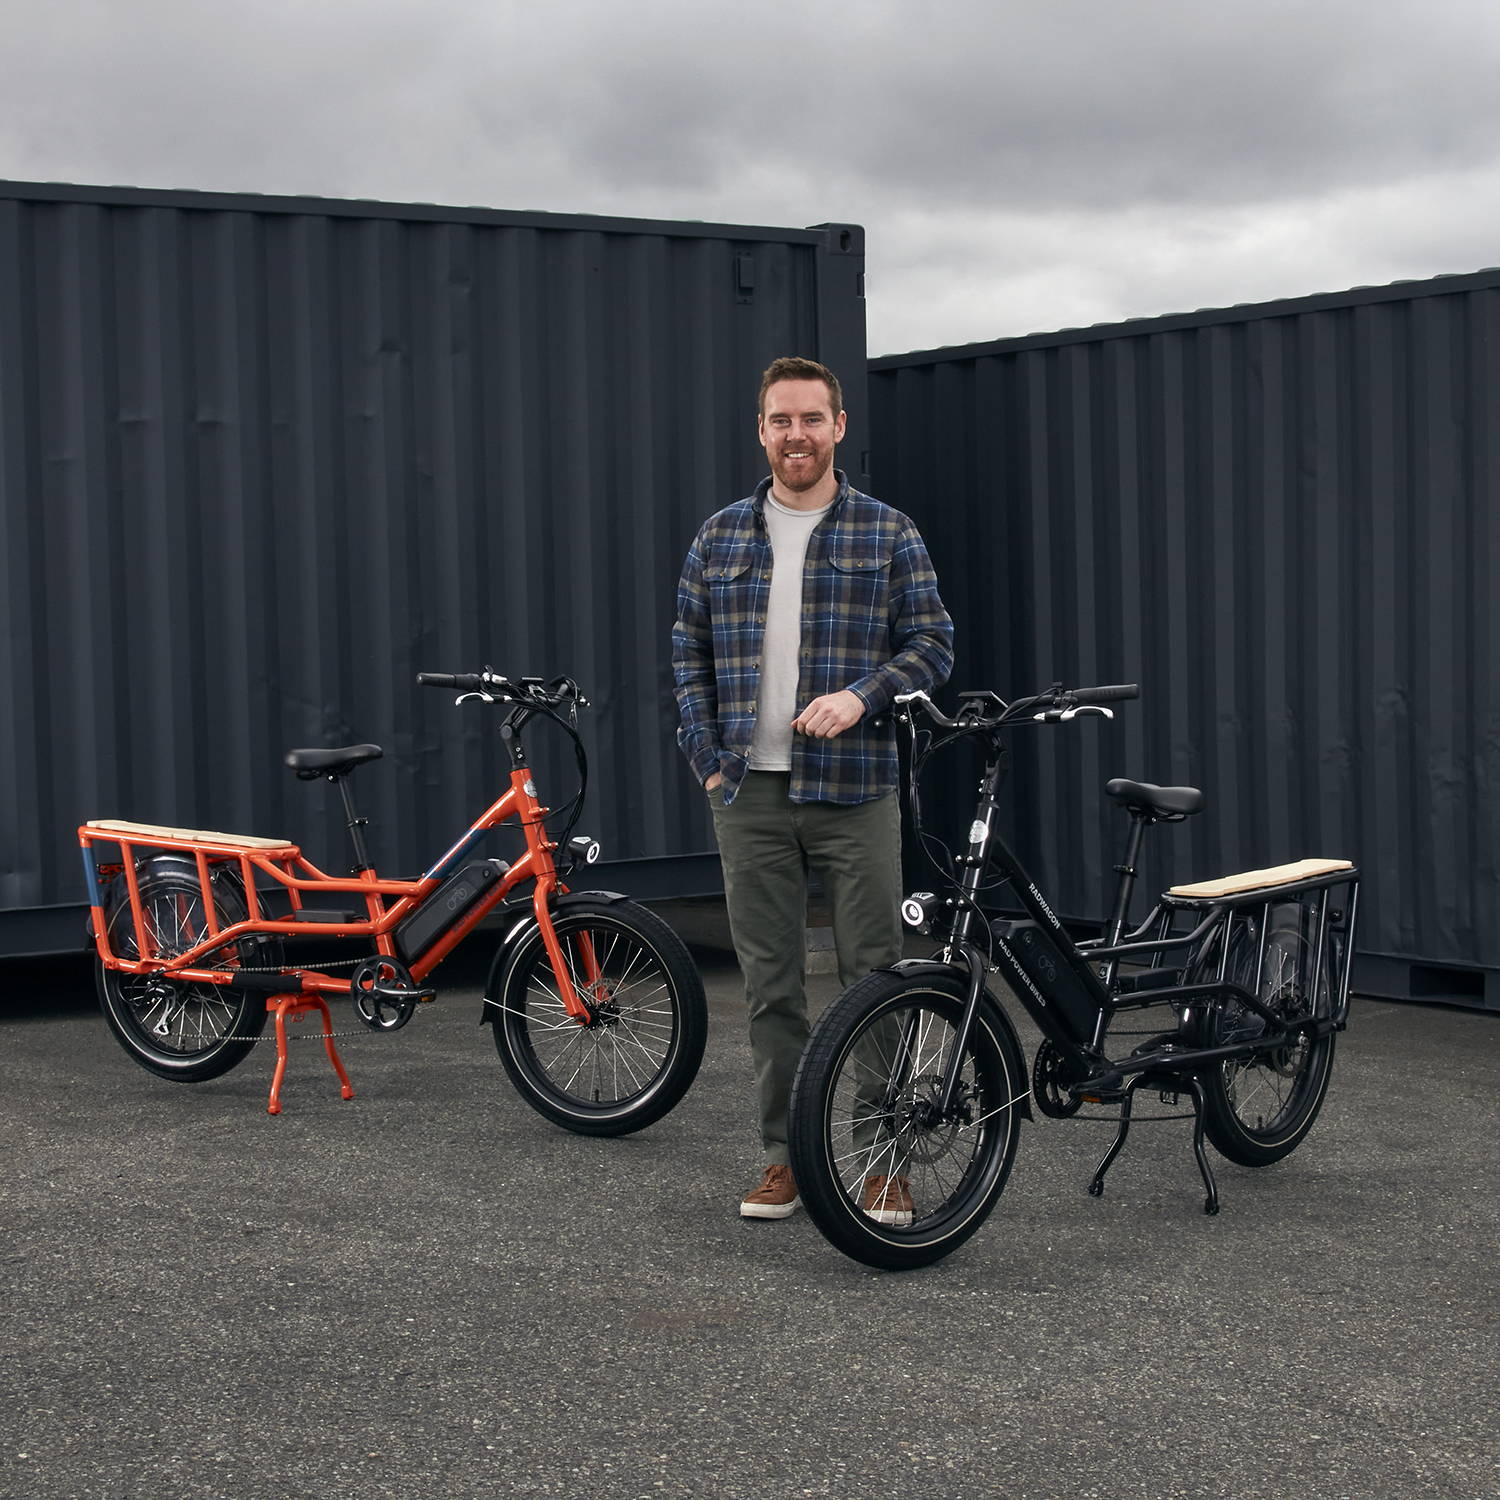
1127,873
353,822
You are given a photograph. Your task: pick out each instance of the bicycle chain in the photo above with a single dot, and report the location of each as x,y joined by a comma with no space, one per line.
336,963
301,1036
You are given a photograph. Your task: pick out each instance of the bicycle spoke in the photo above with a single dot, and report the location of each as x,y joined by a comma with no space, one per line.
628,1043
880,1121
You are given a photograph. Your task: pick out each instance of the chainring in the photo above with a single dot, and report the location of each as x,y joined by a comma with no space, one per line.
1047,1087
384,994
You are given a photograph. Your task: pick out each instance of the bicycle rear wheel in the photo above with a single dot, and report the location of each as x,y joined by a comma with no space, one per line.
640,1054
864,1112
188,1032
1258,1109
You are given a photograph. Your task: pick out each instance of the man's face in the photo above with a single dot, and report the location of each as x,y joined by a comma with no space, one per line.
798,430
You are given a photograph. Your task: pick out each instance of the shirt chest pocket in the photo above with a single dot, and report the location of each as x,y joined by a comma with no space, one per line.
731,582
860,584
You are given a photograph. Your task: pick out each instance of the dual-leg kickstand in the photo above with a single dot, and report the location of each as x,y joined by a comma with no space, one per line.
1096,1187
1211,1190
296,1006
1211,1201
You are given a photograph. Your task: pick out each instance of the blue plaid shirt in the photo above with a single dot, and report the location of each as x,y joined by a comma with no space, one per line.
872,622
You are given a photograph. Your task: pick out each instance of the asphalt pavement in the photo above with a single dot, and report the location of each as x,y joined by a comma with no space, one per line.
428,1291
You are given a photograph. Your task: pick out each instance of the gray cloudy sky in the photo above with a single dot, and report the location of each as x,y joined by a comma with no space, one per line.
1019,165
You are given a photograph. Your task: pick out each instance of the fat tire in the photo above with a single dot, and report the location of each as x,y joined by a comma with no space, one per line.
1268,1141
227,1021
1001,1082
629,942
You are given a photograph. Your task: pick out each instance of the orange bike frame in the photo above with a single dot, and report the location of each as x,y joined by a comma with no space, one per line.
286,865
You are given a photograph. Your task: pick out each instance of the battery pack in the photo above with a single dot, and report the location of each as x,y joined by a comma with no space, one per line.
1054,981
446,906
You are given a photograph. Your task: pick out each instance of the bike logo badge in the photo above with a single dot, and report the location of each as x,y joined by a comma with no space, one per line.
978,833
1044,965
529,788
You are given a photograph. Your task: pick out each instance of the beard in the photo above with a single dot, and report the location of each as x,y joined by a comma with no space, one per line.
799,478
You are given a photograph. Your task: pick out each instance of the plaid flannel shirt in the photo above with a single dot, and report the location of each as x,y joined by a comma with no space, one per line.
872,622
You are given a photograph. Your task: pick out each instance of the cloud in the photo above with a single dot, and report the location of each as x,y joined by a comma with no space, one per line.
1018,166
931,290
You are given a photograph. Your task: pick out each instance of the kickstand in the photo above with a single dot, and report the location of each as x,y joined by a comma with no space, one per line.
1211,1201
296,1006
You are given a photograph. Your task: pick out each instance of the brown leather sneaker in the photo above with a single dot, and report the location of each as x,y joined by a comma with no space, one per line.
775,1198
888,1200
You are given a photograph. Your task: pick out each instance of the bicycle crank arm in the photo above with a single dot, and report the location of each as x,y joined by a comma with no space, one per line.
395,994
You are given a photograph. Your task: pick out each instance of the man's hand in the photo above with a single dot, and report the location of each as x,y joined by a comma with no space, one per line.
712,782
829,715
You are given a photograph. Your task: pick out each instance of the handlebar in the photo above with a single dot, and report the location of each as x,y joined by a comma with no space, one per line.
1115,694
490,686
1056,704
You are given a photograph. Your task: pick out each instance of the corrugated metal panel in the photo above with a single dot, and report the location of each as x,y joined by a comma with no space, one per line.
262,460
1281,521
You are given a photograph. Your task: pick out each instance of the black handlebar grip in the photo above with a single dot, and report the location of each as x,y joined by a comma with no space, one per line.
466,681
1106,694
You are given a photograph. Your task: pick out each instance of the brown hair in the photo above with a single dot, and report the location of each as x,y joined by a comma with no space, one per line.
794,367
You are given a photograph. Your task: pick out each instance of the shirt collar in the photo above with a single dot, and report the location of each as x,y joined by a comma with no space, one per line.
758,499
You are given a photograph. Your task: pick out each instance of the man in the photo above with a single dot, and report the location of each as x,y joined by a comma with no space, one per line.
802,611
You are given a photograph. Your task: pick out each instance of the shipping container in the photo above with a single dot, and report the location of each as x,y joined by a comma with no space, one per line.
1283,520
264,459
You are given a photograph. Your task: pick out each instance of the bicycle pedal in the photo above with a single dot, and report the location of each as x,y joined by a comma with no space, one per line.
1102,1088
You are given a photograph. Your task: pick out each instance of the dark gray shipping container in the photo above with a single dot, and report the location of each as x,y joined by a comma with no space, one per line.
1282,521
264,459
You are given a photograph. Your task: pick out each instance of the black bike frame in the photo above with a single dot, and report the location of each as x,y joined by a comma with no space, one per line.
1059,983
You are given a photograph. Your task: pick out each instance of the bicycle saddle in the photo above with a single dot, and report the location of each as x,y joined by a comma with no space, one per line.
1164,801
338,761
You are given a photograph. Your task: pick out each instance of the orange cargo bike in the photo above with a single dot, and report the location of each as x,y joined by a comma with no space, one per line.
597,1009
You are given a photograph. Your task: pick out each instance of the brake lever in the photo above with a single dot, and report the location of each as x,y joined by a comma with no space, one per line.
1063,715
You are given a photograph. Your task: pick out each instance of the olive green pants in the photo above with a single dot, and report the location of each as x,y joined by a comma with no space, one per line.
768,845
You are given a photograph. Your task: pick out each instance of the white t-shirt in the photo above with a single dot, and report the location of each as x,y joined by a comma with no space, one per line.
777,706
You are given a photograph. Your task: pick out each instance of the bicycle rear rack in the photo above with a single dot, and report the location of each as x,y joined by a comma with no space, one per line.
1173,1065
208,854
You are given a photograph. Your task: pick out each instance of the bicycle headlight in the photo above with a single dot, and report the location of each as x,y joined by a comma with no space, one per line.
920,908
584,850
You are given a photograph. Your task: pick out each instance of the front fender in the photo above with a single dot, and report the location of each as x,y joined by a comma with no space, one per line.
522,925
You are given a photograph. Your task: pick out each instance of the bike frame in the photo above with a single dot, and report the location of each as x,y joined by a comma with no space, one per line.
388,903
1063,991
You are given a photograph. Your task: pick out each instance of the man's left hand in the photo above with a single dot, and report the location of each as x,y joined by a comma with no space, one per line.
829,715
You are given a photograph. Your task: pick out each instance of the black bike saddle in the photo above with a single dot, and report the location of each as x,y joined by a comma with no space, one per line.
1162,801
339,761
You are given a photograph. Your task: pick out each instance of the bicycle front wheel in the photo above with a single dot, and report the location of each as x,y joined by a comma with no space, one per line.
1257,1109
188,1032
638,1056
888,1176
